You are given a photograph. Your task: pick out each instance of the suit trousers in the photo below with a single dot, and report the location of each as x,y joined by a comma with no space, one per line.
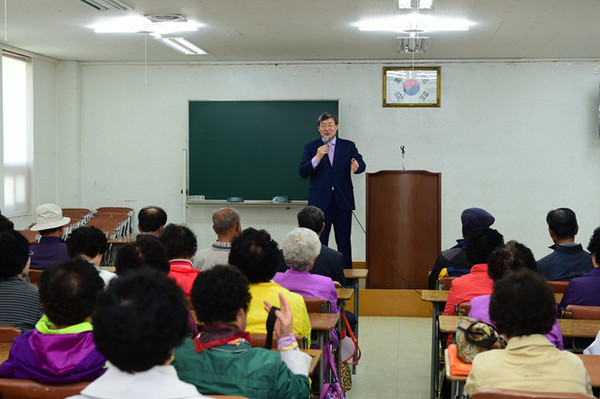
342,225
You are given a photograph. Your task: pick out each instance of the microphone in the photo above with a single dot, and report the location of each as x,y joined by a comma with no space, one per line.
325,139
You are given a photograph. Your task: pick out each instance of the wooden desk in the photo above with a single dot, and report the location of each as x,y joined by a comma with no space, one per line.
439,296
344,294
4,351
123,240
355,275
316,355
572,328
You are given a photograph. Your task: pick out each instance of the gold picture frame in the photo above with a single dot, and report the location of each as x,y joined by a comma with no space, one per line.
411,87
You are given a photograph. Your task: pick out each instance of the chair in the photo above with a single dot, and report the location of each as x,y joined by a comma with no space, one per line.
496,393
29,389
337,285
30,235
559,287
462,309
445,282
317,305
582,312
8,334
34,275
259,341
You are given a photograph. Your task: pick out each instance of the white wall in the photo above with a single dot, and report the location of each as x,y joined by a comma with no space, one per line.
517,139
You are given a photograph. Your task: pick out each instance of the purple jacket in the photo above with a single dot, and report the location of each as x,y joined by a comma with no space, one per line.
310,285
47,252
583,290
51,356
480,310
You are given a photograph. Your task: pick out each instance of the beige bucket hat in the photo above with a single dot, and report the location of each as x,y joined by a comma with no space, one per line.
49,216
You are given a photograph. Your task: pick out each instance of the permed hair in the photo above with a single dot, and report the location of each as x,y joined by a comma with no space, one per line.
134,330
14,253
510,257
594,245
255,254
180,241
86,240
68,291
522,304
300,248
219,293
145,251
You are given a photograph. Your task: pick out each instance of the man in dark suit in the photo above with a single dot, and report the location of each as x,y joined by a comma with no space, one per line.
328,161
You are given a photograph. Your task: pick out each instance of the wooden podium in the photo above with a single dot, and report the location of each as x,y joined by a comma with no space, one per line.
403,227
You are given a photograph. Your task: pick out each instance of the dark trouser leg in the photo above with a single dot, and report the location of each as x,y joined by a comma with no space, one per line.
342,222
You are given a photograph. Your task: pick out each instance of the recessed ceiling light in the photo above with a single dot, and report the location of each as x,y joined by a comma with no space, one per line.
182,45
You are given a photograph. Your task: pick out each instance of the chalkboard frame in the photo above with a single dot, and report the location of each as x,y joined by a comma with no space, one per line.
250,148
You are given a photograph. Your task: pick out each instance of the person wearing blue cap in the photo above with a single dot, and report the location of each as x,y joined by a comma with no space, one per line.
455,258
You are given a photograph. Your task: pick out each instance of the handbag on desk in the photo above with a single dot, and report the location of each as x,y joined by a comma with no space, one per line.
474,336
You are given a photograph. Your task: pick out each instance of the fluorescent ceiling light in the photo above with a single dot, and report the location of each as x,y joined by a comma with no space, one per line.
415,23
139,24
182,45
415,4
104,5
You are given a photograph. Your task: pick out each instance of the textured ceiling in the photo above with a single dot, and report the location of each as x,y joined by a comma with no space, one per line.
289,30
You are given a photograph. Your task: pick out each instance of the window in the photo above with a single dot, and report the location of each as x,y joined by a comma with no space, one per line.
16,135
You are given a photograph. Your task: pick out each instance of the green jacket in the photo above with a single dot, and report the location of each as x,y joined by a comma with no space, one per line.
256,373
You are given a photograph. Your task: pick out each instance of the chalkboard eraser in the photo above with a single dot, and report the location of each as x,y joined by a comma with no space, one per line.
235,199
281,199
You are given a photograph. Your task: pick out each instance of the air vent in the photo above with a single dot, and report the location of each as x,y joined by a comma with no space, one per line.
165,18
107,5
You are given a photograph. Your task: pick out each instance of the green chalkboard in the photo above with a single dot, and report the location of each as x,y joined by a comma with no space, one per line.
251,149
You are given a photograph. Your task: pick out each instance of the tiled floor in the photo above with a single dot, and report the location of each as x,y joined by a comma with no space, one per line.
395,359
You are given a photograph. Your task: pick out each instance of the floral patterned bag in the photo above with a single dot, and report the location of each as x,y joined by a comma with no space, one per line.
474,336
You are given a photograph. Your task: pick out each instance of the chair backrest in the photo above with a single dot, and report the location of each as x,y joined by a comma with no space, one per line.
29,389
317,305
337,285
445,282
559,287
496,393
9,333
259,341
34,275
462,309
582,312
30,235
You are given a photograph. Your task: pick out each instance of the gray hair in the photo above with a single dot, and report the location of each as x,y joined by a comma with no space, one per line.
300,248
225,219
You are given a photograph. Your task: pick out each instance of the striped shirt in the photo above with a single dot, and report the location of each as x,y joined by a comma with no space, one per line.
19,303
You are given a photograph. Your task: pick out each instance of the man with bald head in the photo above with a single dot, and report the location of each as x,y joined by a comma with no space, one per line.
227,226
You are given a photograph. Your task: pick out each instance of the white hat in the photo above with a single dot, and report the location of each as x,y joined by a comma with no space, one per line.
49,216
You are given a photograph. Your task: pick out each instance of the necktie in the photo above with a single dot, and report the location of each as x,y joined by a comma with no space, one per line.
330,152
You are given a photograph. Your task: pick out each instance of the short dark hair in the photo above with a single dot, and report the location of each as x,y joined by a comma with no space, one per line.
219,293
14,253
510,257
145,251
594,245
134,330
255,254
68,291
481,244
86,240
180,241
151,218
327,115
523,304
562,222
5,223
312,218
49,231
225,219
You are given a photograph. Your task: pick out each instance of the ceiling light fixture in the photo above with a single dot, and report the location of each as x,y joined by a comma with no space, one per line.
415,4
411,22
139,24
105,5
182,45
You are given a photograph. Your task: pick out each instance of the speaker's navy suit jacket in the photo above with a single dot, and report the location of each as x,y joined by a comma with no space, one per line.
321,180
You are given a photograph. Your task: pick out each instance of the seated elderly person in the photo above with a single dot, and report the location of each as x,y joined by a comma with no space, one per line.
300,248
145,251
584,290
138,334
220,360
181,245
256,255
90,243
19,301
523,309
61,348
511,257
